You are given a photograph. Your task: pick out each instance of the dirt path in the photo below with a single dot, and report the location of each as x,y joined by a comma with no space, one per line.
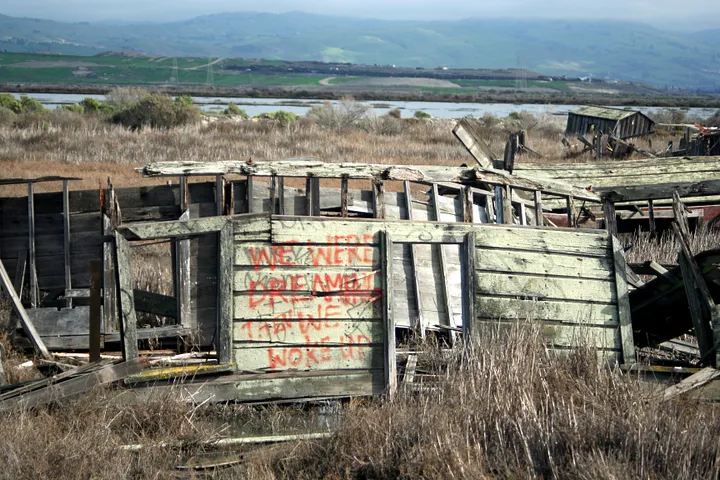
206,65
326,81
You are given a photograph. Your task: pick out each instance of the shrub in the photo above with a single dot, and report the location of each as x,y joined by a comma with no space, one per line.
422,115
8,101
66,119
75,107
157,111
233,109
185,100
7,116
395,113
284,118
339,116
29,104
123,97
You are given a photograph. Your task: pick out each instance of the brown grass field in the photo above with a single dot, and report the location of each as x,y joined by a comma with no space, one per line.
514,409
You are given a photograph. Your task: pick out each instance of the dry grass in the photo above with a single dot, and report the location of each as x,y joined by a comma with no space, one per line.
665,248
515,410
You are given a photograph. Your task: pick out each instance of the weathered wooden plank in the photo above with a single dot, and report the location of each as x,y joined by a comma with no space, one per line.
185,228
32,264
623,302
263,256
353,355
321,331
25,321
388,315
305,305
327,279
225,297
417,173
283,386
344,196
550,240
155,303
559,311
553,264
692,382
563,335
632,193
471,140
443,257
63,322
546,288
539,221
66,238
414,271
110,301
183,276
126,298
95,343
469,282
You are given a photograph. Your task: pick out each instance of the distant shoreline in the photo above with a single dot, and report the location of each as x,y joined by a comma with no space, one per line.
335,93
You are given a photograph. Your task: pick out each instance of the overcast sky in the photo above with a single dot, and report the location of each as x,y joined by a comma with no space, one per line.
689,14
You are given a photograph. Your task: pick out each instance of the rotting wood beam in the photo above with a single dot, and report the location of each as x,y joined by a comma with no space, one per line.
635,193
128,318
443,266
302,168
386,248
226,258
66,240
25,321
469,296
420,326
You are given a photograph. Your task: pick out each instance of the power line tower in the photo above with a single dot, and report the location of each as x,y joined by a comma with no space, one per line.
210,80
174,78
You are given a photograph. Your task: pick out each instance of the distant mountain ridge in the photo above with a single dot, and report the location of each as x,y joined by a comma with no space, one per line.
613,50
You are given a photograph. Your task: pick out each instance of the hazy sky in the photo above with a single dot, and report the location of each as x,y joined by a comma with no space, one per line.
689,14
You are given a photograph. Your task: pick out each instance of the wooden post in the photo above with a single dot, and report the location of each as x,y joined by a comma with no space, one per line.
249,195
523,214
95,337
66,239
32,270
308,196
182,272
468,211
651,213
443,265
27,324
110,220
344,196
703,334
378,198
281,195
610,219
598,145
229,207
315,184
507,205
225,294
499,210
489,208
273,195
623,302
219,194
570,206
386,248
468,288
420,326
128,319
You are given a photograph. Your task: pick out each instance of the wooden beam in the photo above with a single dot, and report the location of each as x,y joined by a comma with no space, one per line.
315,185
703,334
468,210
634,193
651,211
308,196
300,168
32,267
410,367
128,319
692,382
470,138
155,304
249,195
66,239
226,257
414,269
623,302
273,194
174,229
281,195
219,194
507,205
386,248
610,217
378,199
570,206
95,320
469,253
344,196
499,210
443,266
25,321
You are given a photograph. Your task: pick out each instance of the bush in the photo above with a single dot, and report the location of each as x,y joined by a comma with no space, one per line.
7,116
185,100
123,97
29,104
422,115
8,101
340,116
157,111
75,108
284,118
233,109
66,119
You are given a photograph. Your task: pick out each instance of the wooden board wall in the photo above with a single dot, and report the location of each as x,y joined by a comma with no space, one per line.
312,306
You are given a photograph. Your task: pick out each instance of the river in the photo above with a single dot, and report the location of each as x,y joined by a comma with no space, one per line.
256,106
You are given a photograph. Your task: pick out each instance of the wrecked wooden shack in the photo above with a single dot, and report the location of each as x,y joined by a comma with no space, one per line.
302,290
618,122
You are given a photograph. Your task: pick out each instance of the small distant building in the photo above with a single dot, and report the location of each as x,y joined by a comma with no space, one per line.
621,123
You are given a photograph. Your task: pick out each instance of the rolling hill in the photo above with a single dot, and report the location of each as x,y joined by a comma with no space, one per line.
612,50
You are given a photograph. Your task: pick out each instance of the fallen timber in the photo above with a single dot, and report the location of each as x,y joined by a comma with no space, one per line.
302,292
